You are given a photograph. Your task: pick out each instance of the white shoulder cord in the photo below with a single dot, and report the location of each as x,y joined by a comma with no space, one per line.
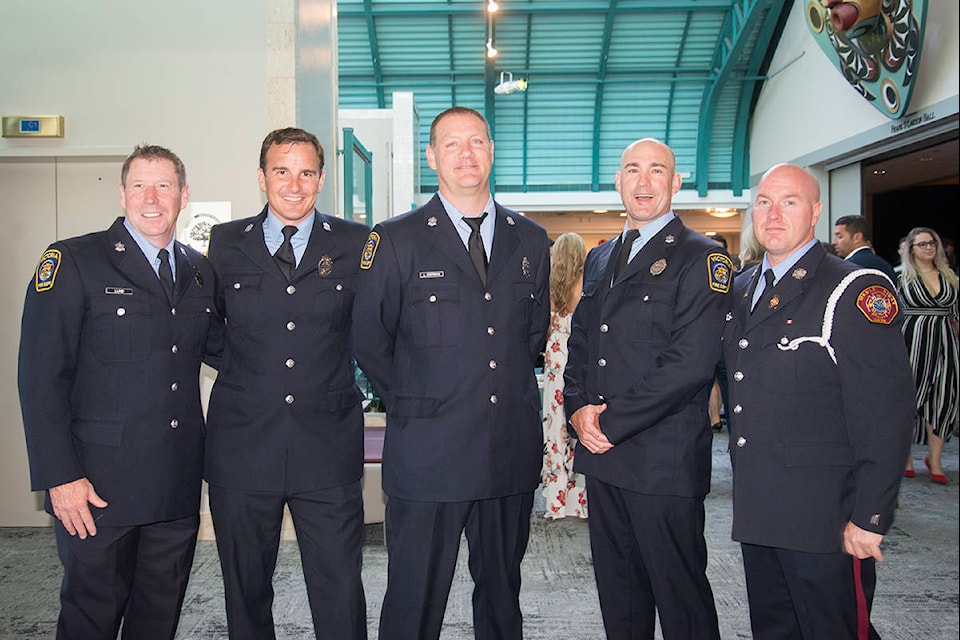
824,339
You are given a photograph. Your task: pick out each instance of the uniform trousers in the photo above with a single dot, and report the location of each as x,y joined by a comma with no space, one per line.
797,595
649,556
329,528
134,574
423,539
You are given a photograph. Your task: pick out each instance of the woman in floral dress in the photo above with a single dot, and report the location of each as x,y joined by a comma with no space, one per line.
563,489
929,291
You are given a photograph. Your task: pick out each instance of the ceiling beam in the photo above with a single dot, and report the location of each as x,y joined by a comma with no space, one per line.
739,24
598,92
374,52
580,7
755,75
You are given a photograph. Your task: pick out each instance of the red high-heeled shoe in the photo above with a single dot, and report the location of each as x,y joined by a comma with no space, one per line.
938,478
909,473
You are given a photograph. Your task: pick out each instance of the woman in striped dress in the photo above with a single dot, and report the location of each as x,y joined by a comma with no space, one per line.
929,291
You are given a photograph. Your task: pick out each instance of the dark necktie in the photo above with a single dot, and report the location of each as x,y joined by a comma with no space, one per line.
475,246
166,273
767,288
625,248
284,256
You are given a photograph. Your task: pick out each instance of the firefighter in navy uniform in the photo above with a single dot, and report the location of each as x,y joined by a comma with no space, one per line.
114,326
285,422
644,345
450,318
821,396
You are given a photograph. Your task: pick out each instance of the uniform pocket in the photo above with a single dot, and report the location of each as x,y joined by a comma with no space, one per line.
435,315
119,329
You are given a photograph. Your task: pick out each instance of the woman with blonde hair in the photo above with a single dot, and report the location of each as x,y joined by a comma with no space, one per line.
564,490
929,291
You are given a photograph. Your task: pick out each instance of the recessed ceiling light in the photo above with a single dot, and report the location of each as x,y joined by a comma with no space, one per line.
600,210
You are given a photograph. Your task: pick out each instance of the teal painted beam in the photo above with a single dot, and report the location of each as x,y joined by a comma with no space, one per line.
598,92
673,86
755,76
744,17
374,52
599,6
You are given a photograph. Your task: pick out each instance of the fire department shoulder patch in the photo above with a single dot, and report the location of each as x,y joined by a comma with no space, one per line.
720,268
47,270
369,250
878,304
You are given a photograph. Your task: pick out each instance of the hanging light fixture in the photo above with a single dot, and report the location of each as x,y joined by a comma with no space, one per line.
492,7
508,85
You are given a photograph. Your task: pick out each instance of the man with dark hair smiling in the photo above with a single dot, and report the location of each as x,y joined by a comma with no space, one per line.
285,424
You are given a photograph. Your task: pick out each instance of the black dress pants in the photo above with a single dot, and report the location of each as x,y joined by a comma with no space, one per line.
136,575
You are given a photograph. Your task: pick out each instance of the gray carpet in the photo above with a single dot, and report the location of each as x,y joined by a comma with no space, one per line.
917,594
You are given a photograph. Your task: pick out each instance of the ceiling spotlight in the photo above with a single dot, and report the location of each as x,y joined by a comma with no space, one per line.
508,85
491,52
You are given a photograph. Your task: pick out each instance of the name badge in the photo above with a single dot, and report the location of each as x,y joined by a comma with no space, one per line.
431,274
118,291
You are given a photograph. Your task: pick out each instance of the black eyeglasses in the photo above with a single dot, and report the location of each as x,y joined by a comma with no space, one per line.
925,244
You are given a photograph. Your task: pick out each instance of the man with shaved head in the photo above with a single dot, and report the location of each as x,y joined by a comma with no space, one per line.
643,347
821,396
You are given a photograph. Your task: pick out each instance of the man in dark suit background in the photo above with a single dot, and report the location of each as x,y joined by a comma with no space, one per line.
851,239
114,325
643,347
823,407
450,318
285,423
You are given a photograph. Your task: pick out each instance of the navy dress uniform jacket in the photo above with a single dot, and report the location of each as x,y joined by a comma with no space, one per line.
648,346
285,412
109,376
454,360
870,260
819,429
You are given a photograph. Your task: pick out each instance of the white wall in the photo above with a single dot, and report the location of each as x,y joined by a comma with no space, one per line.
191,76
188,75
808,107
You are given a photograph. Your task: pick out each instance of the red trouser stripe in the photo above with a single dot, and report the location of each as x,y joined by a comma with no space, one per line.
863,616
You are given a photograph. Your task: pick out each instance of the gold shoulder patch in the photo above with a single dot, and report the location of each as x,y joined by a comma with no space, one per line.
720,269
369,250
47,270
878,304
